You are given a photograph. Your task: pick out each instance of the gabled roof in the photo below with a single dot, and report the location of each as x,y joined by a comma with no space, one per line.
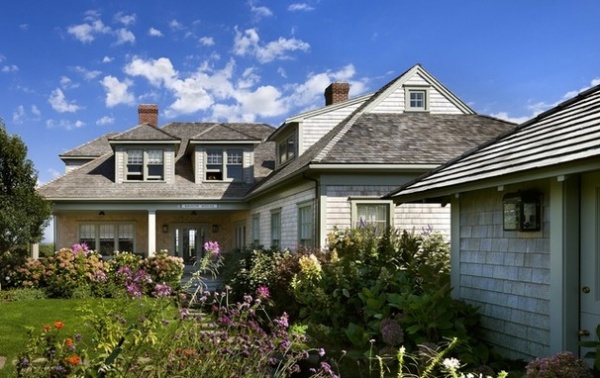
226,133
91,149
567,134
144,133
373,138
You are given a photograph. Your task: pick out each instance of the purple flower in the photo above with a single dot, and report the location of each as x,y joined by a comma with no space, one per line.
212,247
263,292
162,290
80,248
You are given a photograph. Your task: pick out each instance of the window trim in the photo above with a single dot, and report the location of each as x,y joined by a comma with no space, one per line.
116,236
226,153
356,202
302,240
276,243
416,89
145,164
256,229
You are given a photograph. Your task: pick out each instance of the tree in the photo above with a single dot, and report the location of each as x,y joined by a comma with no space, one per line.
23,212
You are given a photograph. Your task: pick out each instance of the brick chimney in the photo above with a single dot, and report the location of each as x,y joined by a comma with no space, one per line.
336,92
148,113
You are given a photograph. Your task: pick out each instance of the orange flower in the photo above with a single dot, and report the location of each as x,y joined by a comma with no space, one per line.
59,325
69,342
46,327
188,352
73,360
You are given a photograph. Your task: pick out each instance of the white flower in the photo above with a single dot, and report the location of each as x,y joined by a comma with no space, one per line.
451,364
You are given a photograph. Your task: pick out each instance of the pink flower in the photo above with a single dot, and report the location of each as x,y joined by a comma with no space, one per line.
212,247
263,292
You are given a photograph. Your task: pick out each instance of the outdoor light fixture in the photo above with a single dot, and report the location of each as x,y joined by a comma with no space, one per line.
215,228
521,211
193,212
101,213
165,228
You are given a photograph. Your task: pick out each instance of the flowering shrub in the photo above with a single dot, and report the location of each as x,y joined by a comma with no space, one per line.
163,268
563,364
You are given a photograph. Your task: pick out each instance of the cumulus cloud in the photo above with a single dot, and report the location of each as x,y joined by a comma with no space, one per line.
207,41
88,31
117,92
124,36
87,74
67,83
18,114
156,71
21,115
248,43
154,32
106,120
59,103
175,25
64,124
302,7
125,19
10,68
107,59
259,11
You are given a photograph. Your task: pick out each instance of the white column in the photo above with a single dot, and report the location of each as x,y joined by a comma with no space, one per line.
151,232
35,251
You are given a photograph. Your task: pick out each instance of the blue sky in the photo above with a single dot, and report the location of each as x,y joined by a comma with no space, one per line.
73,70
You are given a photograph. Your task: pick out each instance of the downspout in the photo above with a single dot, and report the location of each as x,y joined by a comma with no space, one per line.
316,213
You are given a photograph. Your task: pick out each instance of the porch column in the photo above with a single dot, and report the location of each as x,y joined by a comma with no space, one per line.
35,251
151,232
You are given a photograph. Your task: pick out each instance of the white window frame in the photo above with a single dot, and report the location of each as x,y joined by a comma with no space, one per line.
358,203
148,158
306,225
240,234
90,230
409,90
276,228
256,229
228,157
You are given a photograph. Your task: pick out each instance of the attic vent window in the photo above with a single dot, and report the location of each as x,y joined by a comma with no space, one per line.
417,99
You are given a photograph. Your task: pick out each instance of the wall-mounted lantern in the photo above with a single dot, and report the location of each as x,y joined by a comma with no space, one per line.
165,228
101,213
521,211
215,228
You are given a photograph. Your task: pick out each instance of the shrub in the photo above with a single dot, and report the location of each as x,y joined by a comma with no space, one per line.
563,364
16,295
10,262
164,269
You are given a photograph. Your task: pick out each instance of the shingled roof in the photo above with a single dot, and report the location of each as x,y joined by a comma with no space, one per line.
558,138
91,149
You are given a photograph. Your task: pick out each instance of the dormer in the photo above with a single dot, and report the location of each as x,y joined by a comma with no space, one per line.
223,153
145,153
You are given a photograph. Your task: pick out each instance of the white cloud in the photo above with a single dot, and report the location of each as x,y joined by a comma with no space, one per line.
175,25
87,32
10,68
156,71
18,114
259,11
207,41
154,32
117,92
35,111
64,124
248,43
107,59
300,7
87,74
67,83
281,72
106,120
24,27
126,19
59,103
124,36
505,116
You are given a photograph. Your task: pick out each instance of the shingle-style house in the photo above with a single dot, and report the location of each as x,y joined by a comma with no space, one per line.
525,229
172,187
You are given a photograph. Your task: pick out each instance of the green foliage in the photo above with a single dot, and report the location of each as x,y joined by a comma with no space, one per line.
593,354
164,269
9,262
17,295
23,212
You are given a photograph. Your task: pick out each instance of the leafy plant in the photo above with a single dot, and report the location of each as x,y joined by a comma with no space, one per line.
563,364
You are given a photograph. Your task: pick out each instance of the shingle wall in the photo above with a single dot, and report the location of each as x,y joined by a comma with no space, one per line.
314,128
506,274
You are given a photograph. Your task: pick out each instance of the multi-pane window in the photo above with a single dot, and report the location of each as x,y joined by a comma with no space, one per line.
276,228
287,149
105,238
240,235
372,214
306,225
224,164
256,229
145,165
416,99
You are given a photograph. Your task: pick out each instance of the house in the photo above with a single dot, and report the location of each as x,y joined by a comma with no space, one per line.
525,228
173,187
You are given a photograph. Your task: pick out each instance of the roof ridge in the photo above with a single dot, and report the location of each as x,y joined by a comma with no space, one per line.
89,142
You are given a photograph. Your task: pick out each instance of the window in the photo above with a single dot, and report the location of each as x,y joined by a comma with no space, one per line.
240,235
256,229
416,99
224,164
287,149
305,225
371,213
276,228
145,165
105,238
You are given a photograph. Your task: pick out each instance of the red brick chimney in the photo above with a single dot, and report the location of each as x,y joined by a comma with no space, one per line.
336,92
148,113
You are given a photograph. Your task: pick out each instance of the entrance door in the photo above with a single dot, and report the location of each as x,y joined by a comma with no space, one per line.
590,256
189,239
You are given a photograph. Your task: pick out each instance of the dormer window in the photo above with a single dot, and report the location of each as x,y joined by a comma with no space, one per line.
287,149
224,164
417,99
145,165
